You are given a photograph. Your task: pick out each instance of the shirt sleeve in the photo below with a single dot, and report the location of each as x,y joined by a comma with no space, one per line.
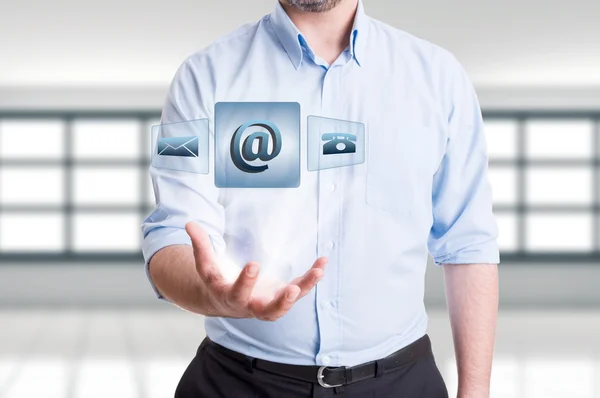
183,196
464,230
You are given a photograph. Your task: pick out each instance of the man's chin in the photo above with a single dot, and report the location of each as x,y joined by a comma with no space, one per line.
313,5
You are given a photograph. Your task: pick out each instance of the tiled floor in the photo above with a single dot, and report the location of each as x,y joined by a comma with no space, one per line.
142,353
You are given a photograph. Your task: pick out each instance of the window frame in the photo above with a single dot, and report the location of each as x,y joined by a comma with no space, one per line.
144,117
69,209
521,162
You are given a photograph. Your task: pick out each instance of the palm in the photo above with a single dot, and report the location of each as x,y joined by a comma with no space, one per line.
242,293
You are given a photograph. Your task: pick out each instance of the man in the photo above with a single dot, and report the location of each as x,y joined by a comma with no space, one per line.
361,332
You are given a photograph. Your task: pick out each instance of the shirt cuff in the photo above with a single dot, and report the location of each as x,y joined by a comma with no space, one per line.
482,253
158,239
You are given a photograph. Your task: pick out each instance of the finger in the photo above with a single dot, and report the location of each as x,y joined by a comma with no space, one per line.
204,254
307,281
320,263
203,249
278,307
242,288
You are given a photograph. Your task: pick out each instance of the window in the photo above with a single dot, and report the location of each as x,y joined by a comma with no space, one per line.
74,185
544,176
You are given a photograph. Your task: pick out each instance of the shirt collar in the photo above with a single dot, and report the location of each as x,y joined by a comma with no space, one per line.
292,39
358,37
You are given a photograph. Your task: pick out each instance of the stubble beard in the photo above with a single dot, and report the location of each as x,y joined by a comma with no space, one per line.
313,5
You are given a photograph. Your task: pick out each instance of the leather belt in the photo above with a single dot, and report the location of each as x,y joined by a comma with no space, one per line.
340,375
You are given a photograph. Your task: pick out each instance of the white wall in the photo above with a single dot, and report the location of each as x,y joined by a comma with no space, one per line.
521,285
141,43
139,98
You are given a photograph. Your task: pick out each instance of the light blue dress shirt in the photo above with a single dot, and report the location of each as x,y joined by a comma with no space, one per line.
423,187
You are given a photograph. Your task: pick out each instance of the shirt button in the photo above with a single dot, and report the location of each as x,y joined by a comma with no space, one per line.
332,187
330,245
327,304
326,360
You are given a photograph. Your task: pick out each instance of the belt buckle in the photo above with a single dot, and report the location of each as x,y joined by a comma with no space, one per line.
320,379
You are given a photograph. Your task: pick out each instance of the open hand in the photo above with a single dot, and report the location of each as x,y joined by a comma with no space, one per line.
239,299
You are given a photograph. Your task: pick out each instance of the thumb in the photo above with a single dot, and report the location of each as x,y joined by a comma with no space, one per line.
203,249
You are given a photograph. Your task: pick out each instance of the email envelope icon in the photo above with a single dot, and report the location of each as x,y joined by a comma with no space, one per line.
178,146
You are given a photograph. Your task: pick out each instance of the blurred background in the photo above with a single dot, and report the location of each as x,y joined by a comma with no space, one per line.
82,81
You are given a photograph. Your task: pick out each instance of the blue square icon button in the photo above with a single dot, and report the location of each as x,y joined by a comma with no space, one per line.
181,146
334,143
257,144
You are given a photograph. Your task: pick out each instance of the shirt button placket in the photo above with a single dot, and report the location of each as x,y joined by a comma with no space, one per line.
329,203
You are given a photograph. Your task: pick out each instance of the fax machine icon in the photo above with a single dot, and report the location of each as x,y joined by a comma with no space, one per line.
338,143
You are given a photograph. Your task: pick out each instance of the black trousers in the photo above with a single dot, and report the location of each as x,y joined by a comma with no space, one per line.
214,374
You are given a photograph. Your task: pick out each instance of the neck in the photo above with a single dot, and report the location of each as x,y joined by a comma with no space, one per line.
327,33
